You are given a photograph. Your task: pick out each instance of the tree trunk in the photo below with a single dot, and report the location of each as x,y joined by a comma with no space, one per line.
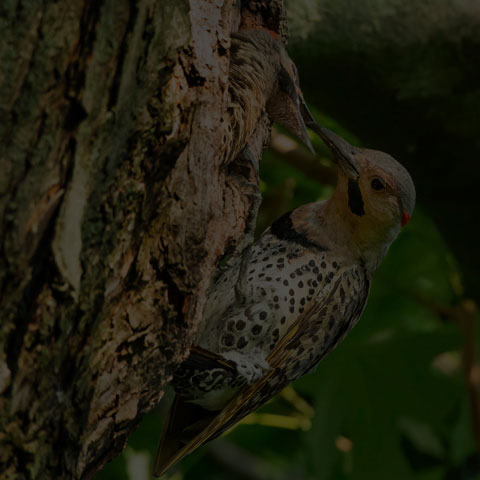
115,205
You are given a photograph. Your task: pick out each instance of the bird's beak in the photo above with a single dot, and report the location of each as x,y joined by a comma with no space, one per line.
302,134
343,152
304,116
286,107
289,116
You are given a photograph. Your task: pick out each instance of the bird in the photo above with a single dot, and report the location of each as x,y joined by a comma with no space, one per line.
290,298
262,78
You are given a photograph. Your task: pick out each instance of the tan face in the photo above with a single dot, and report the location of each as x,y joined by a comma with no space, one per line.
387,188
380,196
379,188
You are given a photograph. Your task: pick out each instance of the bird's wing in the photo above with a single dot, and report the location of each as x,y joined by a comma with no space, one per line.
203,359
252,396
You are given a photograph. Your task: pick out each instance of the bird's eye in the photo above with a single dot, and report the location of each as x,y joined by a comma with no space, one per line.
377,184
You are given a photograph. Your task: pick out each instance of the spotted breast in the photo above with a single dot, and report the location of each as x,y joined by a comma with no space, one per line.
289,281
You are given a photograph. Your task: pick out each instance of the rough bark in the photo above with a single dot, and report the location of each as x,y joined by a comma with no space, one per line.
115,205
404,76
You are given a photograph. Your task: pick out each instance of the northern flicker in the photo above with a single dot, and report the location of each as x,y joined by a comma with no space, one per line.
289,299
262,78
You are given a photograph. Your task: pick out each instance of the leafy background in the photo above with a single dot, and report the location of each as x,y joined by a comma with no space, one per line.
398,398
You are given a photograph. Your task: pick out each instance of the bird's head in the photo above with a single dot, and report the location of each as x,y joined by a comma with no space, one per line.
260,62
386,187
376,192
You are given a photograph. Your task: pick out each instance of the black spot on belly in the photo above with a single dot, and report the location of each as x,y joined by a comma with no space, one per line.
256,329
241,342
240,325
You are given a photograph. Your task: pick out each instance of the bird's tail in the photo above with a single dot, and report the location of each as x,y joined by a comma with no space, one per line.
188,425
184,422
